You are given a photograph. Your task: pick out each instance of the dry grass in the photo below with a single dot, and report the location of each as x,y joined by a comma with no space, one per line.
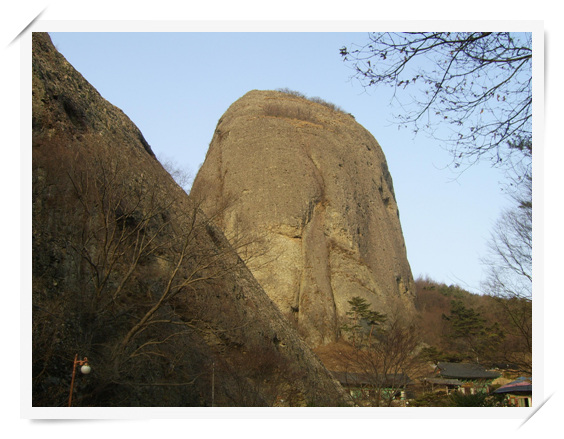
315,99
293,109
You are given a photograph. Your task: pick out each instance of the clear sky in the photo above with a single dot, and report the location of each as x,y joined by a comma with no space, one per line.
176,86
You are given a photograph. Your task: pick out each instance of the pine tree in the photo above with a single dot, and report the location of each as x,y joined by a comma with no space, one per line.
469,331
362,318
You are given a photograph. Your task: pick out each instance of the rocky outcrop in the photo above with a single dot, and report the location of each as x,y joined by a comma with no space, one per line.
313,186
129,272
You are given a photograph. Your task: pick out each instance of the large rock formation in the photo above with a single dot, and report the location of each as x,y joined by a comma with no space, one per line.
314,184
128,272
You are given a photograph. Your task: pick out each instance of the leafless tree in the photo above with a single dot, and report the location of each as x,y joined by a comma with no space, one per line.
509,263
135,264
387,360
477,83
181,175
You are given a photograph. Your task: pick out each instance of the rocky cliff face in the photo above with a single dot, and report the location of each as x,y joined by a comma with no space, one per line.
129,272
313,186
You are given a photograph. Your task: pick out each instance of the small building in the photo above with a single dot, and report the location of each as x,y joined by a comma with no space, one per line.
365,386
518,393
468,378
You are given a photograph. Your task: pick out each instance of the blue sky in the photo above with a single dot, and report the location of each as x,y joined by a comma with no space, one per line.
175,87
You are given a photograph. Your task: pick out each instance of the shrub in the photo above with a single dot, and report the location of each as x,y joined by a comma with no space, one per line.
329,105
288,91
315,99
458,399
436,399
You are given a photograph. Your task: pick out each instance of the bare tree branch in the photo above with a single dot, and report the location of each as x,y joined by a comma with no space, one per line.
478,83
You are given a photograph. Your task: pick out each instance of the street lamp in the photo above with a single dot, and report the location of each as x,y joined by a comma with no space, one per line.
84,368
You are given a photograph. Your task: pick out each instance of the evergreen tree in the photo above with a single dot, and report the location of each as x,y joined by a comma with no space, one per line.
363,320
469,332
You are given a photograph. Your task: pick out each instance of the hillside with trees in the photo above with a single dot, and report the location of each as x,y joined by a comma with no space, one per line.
388,358
460,326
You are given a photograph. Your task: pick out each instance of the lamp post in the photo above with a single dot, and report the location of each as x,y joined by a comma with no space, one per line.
85,369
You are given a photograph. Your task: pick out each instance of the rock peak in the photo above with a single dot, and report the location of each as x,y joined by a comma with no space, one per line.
313,187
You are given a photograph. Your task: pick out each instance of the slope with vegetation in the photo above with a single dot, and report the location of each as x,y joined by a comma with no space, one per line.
129,272
384,357
460,326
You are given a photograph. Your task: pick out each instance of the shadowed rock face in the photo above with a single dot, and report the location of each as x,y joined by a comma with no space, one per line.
314,186
113,236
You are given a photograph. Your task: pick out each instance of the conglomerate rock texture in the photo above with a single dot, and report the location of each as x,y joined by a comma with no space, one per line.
128,272
313,187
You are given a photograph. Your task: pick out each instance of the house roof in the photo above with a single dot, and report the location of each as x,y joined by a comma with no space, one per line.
465,371
365,379
521,384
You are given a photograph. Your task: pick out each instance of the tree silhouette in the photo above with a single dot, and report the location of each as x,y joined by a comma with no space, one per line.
477,83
